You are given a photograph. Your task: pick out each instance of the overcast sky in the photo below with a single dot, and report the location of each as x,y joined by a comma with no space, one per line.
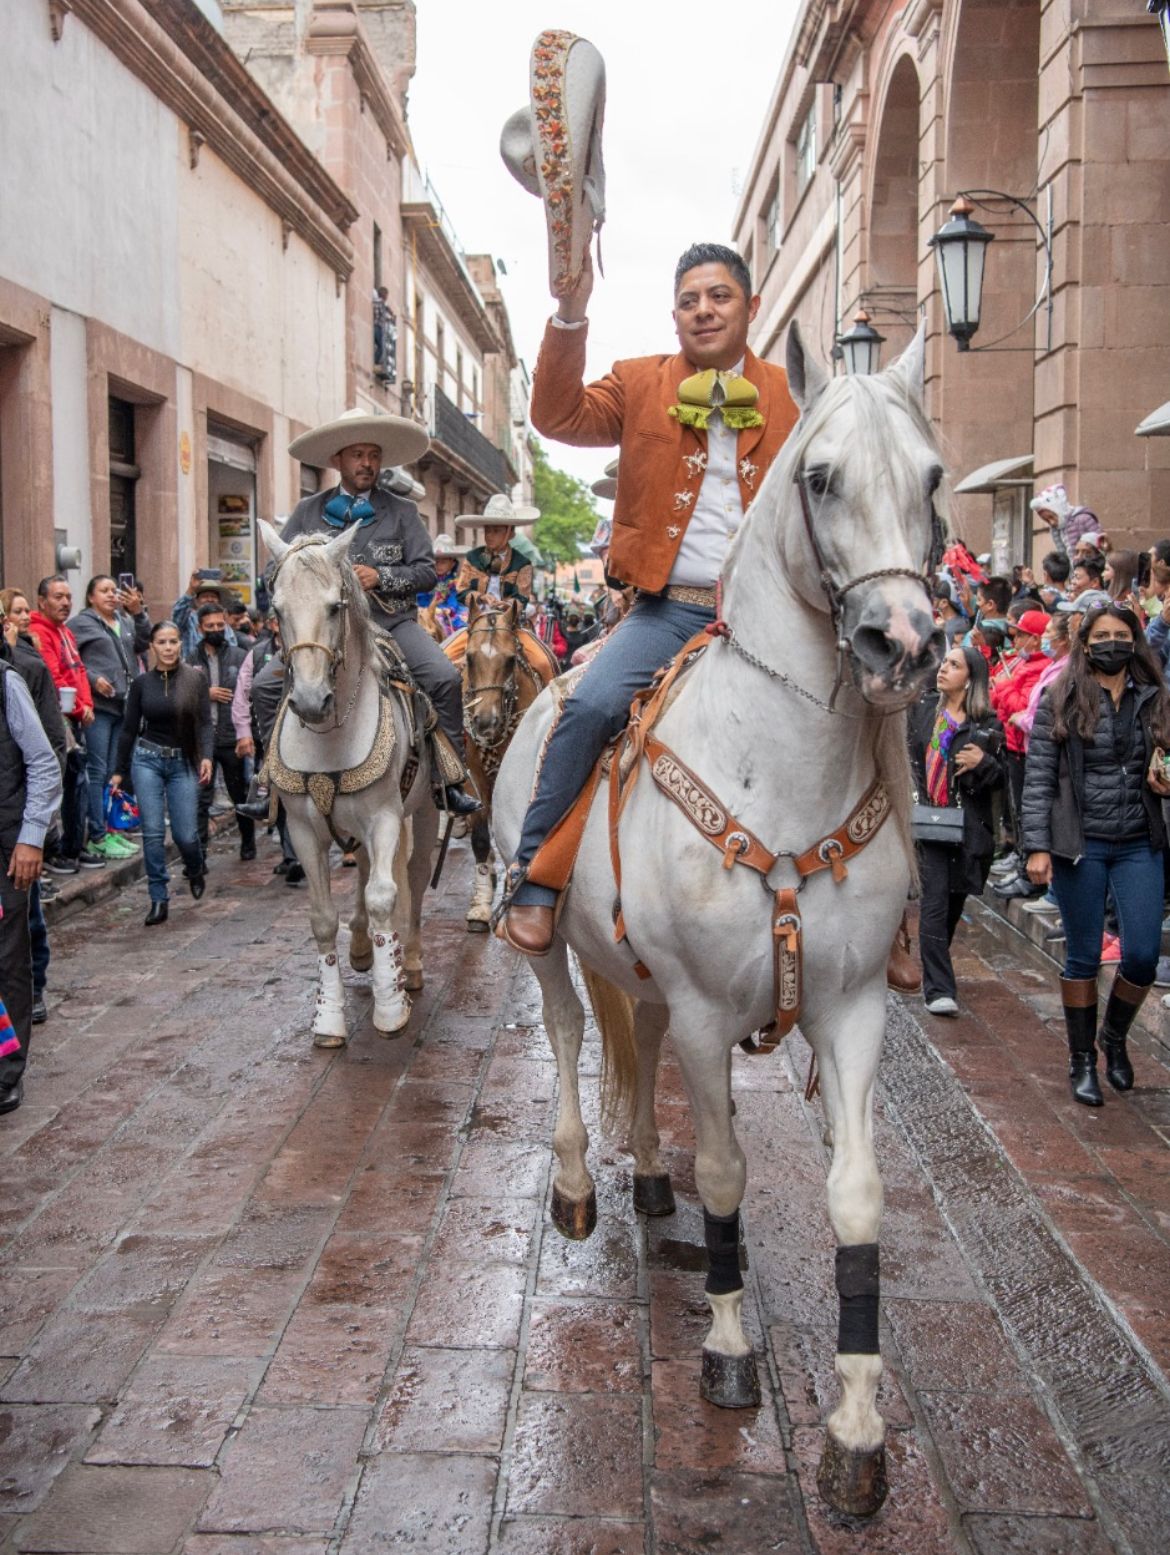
688,83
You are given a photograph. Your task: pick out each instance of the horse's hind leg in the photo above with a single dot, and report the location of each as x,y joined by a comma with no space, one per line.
653,1194
361,946
729,1377
574,1200
480,911
329,1015
423,829
852,1472
391,1004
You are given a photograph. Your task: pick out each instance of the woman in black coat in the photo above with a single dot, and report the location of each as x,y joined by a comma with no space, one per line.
1092,826
955,753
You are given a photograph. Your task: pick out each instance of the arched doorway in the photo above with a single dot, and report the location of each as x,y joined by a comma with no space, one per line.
891,295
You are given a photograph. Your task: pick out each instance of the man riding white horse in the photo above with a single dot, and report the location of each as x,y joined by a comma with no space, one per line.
676,511
391,554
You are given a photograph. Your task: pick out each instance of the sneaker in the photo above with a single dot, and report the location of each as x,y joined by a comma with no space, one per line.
93,856
39,1013
1110,948
105,850
1045,903
943,1005
1162,975
122,845
60,865
1009,864
49,889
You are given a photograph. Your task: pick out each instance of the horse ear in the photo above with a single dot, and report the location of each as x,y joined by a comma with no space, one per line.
472,607
337,549
275,546
515,612
910,367
807,380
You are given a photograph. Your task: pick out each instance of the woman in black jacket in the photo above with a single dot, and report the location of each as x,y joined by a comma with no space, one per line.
1092,824
955,752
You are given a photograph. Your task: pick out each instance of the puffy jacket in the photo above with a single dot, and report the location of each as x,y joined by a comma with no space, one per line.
58,648
973,790
1010,693
1074,790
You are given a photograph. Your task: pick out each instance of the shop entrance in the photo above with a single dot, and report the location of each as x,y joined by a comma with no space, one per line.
231,500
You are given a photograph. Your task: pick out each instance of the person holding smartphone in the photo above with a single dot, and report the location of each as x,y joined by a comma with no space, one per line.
204,588
105,641
1092,824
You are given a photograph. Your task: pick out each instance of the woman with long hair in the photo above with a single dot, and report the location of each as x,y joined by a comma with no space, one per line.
955,746
1092,826
105,640
1121,576
167,742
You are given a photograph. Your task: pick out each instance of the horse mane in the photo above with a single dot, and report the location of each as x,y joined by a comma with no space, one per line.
310,549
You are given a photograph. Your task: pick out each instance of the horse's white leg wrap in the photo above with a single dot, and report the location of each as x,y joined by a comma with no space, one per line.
329,1017
482,891
391,1003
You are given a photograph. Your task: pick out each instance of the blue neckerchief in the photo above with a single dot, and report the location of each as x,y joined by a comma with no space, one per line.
341,510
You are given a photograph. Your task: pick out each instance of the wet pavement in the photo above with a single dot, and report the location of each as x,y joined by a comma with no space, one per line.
261,1300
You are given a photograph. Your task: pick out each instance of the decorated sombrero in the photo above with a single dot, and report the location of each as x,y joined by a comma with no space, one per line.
553,148
445,546
401,441
606,487
500,510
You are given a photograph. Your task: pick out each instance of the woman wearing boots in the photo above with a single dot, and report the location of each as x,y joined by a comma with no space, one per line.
1092,825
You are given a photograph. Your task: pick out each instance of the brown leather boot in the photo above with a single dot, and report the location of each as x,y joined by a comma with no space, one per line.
903,969
530,929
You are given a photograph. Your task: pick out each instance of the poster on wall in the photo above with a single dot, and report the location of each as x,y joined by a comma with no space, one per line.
234,516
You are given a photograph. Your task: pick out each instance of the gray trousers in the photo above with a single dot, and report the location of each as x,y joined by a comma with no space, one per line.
437,676
598,709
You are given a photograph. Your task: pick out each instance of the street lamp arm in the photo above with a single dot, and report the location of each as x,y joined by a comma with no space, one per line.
964,237
981,196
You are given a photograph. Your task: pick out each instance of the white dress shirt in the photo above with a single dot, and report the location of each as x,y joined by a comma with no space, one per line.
718,509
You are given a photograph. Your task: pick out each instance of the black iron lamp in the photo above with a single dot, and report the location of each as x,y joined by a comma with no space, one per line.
960,247
1161,9
861,348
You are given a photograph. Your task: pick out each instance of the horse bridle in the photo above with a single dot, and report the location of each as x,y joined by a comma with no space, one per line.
508,688
335,656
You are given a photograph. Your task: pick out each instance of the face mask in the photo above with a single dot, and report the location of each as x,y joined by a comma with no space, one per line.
1048,650
1109,658
215,639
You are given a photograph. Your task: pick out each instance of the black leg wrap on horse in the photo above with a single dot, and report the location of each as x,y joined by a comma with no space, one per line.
722,1236
858,1284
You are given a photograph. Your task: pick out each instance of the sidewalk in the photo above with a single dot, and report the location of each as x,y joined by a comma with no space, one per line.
257,1299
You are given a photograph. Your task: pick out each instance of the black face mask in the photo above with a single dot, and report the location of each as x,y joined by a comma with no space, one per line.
214,639
1109,658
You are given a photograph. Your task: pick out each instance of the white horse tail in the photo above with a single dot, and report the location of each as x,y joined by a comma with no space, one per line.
893,764
614,1013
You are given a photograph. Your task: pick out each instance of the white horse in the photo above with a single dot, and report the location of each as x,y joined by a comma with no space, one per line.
347,742
827,571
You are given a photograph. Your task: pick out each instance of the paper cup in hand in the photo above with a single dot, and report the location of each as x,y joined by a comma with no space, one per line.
68,696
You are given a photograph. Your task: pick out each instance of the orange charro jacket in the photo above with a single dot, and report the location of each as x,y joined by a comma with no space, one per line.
662,462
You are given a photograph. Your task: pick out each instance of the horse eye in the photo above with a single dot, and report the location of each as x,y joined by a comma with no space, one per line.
335,607
817,480
934,480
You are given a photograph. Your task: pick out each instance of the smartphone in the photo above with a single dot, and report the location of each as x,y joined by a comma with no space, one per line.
126,581
210,574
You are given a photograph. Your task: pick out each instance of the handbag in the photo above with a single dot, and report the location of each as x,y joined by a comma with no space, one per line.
944,824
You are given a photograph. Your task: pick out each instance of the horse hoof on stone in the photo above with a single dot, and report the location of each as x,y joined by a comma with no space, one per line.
477,925
731,1381
328,1039
574,1218
653,1195
361,962
852,1479
390,1021
412,979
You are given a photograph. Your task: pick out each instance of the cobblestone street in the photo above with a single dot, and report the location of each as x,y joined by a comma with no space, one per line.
257,1299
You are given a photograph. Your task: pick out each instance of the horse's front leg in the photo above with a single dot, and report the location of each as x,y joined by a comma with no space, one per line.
574,1198
653,1194
729,1376
483,887
391,1004
361,946
313,852
852,1472
424,832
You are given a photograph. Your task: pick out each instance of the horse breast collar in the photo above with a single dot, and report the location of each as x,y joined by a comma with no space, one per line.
323,787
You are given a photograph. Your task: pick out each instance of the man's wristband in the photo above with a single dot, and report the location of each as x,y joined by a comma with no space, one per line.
560,323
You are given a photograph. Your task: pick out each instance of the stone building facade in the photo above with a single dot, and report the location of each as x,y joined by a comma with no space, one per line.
200,203
882,113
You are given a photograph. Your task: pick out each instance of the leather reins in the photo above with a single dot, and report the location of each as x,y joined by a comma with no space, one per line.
488,623
335,656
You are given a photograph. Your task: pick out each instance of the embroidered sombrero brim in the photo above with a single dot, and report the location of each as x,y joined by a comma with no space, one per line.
401,441
553,148
519,518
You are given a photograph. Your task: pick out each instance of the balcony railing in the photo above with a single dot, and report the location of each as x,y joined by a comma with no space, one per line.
456,432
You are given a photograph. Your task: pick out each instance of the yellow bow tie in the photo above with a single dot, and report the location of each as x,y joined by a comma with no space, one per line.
729,393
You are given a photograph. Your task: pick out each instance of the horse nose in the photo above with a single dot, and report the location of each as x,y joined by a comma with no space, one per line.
312,707
906,647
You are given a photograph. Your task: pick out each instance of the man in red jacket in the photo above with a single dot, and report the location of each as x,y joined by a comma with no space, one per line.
58,648
1009,697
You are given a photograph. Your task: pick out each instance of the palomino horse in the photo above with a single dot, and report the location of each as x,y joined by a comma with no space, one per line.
826,573
342,760
505,668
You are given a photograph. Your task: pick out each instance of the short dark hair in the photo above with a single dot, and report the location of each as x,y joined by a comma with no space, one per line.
1160,551
997,592
1056,566
43,585
210,610
714,254
1093,564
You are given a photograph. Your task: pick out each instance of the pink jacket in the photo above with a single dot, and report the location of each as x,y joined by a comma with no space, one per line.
1047,676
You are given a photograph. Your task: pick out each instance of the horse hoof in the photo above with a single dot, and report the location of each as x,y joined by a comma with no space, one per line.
653,1195
574,1218
389,1022
852,1479
477,925
731,1381
360,962
328,1039
412,979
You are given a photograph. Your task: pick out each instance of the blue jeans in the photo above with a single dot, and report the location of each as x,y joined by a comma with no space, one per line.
39,936
162,784
101,742
599,708
1132,873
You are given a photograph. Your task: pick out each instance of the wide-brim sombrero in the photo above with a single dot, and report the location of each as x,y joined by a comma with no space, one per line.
401,441
606,487
500,509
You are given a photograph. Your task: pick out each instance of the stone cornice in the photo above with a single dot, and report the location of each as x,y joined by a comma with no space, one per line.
918,14
189,67
335,28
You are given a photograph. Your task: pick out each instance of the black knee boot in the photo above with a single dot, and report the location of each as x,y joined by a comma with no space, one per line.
1125,1000
1079,996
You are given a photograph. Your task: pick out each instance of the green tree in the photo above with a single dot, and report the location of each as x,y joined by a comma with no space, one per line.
568,515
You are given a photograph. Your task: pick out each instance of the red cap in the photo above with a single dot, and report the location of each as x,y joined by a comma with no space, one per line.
1034,622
